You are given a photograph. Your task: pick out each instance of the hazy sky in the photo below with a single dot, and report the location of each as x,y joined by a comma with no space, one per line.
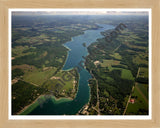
78,12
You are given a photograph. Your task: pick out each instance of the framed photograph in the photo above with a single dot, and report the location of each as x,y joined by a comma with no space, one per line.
79,64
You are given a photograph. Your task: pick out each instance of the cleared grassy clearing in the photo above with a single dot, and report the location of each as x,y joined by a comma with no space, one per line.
19,51
126,74
60,60
32,40
106,93
109,79
139,60
39,77
144,89
143,72
116,56
134,46
25,67
107,63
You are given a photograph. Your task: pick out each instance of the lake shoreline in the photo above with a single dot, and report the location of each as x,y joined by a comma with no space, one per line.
82,97
41,96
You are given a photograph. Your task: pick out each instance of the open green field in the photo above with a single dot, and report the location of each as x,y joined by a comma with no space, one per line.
39,77
116,56
144,89
140,107
126,74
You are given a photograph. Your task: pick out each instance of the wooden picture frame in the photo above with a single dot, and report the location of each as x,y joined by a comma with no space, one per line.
4,63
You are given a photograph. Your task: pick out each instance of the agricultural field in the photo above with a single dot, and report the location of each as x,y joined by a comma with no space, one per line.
108,63
140,105
116,56
140,60
38,77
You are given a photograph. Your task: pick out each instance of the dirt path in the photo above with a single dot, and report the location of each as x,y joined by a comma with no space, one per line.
97,97
97,94
144,97
30,83
131,93
95,109
128,100
138,73
116,48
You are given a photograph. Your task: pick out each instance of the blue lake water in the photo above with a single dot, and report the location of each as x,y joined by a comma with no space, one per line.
77,50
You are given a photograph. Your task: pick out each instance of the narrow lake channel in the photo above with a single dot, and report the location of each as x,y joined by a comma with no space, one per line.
64,106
